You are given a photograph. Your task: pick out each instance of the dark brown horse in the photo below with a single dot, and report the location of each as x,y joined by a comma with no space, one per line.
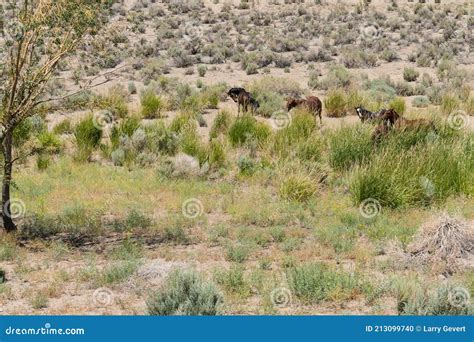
312,103
244,100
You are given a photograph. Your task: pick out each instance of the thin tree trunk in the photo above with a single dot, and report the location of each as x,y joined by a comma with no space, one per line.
8,223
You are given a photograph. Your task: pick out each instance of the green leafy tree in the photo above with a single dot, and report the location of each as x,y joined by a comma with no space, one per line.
36,36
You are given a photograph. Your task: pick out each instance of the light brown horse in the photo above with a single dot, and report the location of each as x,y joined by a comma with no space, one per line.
312,103
390,119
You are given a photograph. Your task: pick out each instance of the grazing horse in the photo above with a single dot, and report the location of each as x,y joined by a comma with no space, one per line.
366,115
312,103
390,119
235,92
244,100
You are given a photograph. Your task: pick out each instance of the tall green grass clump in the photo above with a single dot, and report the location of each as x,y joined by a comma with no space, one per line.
425,173
221,124
297,183
313,283
185,293
247,129
349,146
335,103
299,129
152,104
398,104
88,137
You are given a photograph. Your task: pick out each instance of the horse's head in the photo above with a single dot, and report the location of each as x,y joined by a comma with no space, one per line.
254,103
291,103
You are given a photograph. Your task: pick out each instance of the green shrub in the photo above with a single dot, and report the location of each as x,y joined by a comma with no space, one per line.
337,77
132,88
190,143
271,92
221,124
381,90
161,139
349,146
335,103
152,104
217,154
247,129
299,129
449,104
8,251
340,238
233,281
39,301
410,74
88,137
398,104
202,69
118,272
64,127
237,253
298,184
126,128
185,293
246,165
395,177
316,282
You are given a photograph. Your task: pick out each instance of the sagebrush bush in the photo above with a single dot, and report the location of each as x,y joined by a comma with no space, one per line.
414,298
410,74
233,280
185,293
420,102
337,77
271,93
313,283
161,139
